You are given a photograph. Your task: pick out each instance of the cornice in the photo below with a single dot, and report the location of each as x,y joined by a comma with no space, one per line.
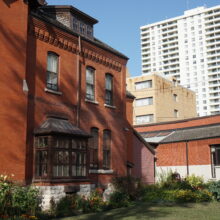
69,43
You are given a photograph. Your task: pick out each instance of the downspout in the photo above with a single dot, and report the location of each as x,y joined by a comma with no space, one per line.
187,158
78,72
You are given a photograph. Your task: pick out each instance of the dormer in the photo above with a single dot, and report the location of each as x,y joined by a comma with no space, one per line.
72,18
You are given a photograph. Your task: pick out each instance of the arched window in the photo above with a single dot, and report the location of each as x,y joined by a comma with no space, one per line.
93,148
90,83
108,89
52,71
106,149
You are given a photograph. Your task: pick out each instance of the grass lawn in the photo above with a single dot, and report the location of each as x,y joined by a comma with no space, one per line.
142,211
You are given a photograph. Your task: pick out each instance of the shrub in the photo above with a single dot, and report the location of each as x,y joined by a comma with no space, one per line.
16,200
185,196
64,207
128,185
203,195
196,182
214,188
119,199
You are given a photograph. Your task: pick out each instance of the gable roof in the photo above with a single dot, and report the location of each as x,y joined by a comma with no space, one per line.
183,134
150,148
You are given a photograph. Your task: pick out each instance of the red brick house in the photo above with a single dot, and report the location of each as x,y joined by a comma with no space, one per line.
64,106
190,146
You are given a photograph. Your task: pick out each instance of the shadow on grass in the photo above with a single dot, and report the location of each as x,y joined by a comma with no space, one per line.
139,210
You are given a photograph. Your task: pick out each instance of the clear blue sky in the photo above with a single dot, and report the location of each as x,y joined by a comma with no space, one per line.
120,20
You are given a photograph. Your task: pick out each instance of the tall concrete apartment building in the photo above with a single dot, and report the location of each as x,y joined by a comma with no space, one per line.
187,47
159,99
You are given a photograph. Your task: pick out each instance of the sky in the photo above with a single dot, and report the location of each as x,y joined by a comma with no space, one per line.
120,20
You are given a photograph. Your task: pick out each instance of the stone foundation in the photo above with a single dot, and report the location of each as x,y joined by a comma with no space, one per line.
58,192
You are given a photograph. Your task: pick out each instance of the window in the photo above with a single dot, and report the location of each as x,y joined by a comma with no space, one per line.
108,89
106,149
93,147
60,157
176,113
175,97
90,83
143,85
52,71
141,119
144,101
216,154
215,157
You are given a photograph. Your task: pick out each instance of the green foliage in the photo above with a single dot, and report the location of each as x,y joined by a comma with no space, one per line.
128,185
119,199
214,188
196,182
16,200
74,204
66,206
172,189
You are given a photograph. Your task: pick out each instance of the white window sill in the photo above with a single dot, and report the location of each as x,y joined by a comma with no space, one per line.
101,171
52,91
110,106
90,101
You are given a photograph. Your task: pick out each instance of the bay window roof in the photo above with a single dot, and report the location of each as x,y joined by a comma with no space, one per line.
54,125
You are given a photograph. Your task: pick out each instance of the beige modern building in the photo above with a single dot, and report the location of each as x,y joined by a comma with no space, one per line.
160,99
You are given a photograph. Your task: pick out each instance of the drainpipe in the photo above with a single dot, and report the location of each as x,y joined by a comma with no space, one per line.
78,72
187,158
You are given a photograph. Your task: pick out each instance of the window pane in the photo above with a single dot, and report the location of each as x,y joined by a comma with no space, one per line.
106,149
144,119
52,63
108,89
90,92
90,75
42,142
108,82
144,101
41,163
93,148
143,85
52,71
217,156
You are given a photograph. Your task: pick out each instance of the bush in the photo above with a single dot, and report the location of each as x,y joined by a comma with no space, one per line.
196,182
65,207
119,199
172,189
127,185
16,200
214,188
185,196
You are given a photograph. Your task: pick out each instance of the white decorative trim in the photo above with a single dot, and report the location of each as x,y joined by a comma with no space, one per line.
90,101
101,171
52,91
110,106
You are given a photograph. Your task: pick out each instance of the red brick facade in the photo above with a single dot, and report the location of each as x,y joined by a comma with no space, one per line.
26,40
194,155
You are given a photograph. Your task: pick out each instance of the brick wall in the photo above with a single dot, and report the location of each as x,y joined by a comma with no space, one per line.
13,100
144,162
199,121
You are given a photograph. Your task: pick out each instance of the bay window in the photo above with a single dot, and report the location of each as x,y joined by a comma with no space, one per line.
60,157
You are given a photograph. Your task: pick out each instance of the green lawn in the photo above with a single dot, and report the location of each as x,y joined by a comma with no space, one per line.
142,211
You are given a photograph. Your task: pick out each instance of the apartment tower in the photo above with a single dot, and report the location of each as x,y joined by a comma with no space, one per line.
187,47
